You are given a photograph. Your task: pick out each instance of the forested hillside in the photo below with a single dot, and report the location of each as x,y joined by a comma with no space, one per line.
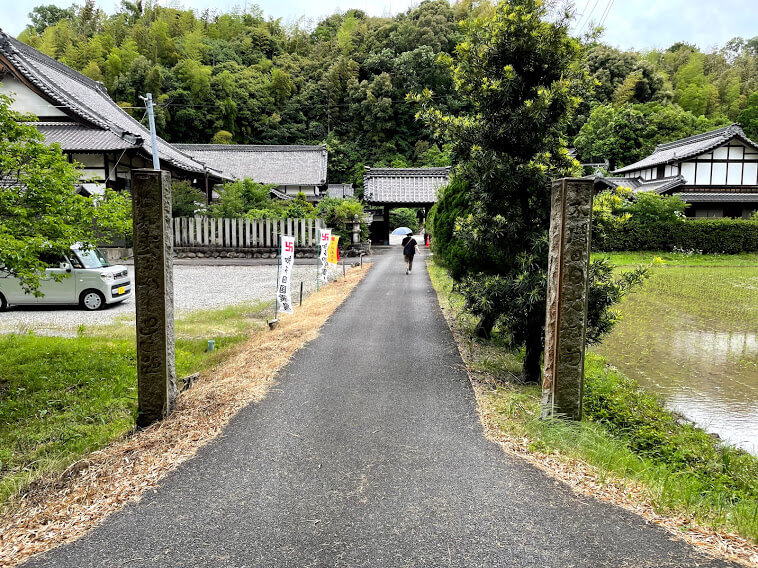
245,78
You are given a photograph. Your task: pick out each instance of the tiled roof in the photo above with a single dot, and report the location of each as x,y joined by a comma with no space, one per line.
679,150
404,185
282,165
88,100
340,190
660,185
706,197
72,136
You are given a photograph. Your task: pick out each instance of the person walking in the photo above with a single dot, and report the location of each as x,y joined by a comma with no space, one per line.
410,248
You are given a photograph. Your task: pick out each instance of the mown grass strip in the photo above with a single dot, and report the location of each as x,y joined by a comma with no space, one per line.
62,398
683,477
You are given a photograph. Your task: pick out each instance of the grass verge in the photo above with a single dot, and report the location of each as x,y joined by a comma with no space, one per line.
63,507
629,449
62,398
668,258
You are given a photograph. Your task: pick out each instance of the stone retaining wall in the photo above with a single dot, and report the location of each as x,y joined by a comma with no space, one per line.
258,252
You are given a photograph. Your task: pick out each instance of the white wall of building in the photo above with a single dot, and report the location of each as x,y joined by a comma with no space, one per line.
27,101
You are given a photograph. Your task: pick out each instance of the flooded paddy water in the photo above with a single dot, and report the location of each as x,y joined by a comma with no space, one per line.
691,335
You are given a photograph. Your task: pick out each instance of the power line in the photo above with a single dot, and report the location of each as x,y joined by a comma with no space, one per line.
586,21
605,14
582,14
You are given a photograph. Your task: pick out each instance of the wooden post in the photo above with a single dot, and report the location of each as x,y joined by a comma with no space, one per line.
567,291
154,295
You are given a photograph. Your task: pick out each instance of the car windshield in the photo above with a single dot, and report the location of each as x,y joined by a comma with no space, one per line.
90,258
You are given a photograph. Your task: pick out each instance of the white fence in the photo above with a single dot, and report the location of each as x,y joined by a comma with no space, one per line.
242,233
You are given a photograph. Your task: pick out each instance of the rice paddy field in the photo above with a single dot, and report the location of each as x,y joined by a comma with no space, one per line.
690,334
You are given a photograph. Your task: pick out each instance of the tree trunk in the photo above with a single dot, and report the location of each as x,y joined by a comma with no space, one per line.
531,371
484,328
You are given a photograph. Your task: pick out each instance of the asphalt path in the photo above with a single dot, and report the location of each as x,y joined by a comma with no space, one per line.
369,452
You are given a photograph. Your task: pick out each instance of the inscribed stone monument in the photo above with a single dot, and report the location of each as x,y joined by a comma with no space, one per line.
154,288
567,291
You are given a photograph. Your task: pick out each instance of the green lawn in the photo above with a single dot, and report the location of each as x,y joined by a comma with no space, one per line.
62,398
627,433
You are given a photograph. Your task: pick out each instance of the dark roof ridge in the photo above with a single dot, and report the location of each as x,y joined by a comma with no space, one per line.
252,147
723,132
29,51
433,170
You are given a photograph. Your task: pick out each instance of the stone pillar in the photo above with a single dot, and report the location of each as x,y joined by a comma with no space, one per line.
356,230
567,291
154,293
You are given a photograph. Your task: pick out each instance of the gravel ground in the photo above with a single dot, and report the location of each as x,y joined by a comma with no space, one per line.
196,287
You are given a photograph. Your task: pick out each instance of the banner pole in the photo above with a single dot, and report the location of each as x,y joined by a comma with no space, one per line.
278,263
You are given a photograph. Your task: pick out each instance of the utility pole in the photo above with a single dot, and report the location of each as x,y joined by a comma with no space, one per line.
153,138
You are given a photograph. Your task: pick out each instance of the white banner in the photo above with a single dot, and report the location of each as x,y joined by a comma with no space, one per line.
287,257
325,237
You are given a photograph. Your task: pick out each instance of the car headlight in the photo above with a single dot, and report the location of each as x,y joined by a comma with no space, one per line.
106,276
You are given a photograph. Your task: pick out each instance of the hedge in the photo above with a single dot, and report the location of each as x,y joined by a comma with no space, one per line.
710,236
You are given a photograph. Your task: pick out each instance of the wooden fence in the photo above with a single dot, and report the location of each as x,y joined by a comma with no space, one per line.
242,233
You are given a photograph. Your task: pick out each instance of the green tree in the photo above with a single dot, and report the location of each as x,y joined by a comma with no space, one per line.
185,199
222,137
404,217
749,117
299,208
40,211
238,198
521,76
627,133
339,215
48,15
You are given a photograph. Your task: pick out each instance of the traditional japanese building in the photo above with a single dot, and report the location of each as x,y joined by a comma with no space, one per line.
715,173
292,169
76,112
389,188
340,190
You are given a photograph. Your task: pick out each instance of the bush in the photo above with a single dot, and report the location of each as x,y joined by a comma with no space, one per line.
339,214
236,199
185,199
299,208
623,221
709,236
453,205
651,431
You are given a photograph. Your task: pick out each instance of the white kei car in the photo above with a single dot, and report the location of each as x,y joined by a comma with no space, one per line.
90,282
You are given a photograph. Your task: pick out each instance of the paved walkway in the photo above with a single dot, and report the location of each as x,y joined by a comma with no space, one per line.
369,453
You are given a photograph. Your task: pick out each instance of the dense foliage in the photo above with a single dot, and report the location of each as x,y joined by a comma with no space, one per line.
186,200
340,214
234,77
404,217
40,211
642,99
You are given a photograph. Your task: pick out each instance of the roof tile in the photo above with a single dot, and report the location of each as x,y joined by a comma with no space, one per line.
688,147
282,165
404,185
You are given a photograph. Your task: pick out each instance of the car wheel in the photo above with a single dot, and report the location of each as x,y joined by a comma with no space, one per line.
92,300
3,303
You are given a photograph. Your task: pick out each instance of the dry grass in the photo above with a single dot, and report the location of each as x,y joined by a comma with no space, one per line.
582,477
61,509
